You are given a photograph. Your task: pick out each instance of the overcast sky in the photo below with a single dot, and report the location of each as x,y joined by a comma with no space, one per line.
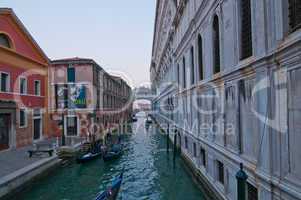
115,33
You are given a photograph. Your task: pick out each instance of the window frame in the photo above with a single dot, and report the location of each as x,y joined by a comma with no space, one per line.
220,172
292,21
203,157
7,81
242,48
39,89
192,65
25,92
25,118
248,192
9,41
69,78
194,150
216,44
186,142
76,124
184,72
200,58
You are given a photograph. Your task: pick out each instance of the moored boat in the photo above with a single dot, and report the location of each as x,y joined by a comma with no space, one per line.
88,157
114,153
111,192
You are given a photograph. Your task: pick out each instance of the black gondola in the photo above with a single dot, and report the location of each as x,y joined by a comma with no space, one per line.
111,192
88,157
114,153
91,155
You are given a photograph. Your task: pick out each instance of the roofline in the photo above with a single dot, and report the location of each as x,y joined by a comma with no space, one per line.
10,11
76,60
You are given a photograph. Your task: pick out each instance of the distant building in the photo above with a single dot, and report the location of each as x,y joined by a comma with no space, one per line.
227,76
88,97
23,85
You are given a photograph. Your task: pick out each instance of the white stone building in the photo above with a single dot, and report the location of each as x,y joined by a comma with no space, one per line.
230,70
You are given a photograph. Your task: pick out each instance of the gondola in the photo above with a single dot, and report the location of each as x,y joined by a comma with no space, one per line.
111,192
88,157
114,153
91,155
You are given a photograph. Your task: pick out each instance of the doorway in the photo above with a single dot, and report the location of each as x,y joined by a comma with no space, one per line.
37,124
5,123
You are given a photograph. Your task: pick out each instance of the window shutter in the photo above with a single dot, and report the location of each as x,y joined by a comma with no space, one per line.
71,74
246,27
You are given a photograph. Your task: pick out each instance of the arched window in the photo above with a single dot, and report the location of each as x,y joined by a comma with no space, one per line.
246,29
200,57
216,50
184,72
192,65
295,14
4,40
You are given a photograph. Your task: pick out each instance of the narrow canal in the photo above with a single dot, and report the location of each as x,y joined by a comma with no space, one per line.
149,174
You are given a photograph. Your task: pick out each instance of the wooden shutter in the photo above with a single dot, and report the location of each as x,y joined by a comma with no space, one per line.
246,29
217,67
71,74
295,14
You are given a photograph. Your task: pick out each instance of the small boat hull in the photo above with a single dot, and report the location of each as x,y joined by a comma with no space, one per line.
88,157
112,192
112,156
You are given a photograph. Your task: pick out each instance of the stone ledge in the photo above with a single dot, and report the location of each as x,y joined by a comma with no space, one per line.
20,177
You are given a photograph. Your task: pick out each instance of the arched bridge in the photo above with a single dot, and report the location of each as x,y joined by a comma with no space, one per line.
143,93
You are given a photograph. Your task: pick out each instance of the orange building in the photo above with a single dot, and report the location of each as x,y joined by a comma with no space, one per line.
23,85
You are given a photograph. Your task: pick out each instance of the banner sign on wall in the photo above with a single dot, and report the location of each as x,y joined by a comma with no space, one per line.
77,96
71,96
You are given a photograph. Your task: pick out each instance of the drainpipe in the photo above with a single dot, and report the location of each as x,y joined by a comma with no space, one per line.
241,177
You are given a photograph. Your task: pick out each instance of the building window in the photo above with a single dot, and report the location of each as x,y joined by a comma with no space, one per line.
186,142
216,44
295,14
184,72
5,82
4,40
178,74
194,149
22,118
37,87
71,126
220,172
246,29
203,157
252,193
71,74
61,97
200,57
23,85
192,65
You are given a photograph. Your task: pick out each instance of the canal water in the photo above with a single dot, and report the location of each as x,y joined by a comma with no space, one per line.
150,174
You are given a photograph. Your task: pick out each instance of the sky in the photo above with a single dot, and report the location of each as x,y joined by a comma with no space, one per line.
117,34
